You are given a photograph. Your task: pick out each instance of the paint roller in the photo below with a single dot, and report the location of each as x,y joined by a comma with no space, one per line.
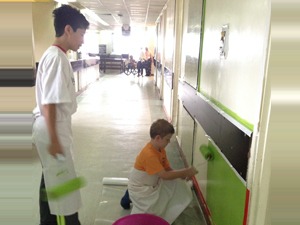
206,152
67,187
117,181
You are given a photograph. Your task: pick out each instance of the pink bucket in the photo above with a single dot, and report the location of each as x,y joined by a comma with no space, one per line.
141,219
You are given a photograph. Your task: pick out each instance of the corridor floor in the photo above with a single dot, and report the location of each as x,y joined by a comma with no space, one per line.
110,128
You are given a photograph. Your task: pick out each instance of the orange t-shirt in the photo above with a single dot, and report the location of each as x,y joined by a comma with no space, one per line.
151,160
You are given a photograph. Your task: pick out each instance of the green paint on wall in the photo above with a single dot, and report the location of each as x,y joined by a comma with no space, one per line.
229,112
226,193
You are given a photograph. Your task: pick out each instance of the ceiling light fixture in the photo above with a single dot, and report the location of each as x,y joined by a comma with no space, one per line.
94,16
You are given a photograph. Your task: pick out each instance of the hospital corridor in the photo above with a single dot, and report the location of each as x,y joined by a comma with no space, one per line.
110,127
203,66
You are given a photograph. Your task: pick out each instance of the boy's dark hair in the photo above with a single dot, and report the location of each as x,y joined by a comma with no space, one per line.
67,15
162,128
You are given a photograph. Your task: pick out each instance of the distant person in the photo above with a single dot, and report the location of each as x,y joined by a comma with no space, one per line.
145,61
56,102
130,65
142,55
147,54
154,187
132,62
140,63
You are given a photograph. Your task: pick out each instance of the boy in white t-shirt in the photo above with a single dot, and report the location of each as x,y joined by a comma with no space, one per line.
56,102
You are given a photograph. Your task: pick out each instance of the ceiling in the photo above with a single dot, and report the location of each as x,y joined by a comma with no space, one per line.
117,13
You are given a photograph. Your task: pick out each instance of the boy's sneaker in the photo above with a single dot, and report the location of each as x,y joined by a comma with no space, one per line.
125,201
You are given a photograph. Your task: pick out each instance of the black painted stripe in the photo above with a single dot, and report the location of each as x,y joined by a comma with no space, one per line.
233,142
12,77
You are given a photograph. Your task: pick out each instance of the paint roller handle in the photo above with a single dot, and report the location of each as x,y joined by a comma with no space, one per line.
191,171
194,170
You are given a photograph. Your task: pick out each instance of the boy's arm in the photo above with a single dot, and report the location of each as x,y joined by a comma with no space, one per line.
168,169
49,112
186,173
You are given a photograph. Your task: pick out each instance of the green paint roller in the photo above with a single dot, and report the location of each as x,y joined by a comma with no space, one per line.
66,188
206,152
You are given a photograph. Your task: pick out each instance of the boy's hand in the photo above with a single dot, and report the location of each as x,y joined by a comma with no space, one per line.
191,172
55,149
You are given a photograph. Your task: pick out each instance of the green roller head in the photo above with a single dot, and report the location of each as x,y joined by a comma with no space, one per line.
65,188
206,152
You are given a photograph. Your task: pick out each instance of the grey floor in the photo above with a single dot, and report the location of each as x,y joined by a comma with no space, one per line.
110,128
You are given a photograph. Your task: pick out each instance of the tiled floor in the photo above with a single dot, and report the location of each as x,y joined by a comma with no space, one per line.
110,127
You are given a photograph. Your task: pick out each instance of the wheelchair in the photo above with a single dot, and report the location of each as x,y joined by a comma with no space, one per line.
130,68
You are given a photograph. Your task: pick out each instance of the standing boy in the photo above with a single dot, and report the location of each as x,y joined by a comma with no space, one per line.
56,102
153,185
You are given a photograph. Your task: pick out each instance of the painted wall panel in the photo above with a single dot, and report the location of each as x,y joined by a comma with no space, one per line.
226,134
169,34
168,52
191,40
43,29
160,54
226,191
159,47
236,82
187,135
158,78
199,161
16,38
167,98
179,122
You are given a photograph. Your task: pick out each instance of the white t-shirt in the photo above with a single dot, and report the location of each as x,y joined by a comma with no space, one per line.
55,84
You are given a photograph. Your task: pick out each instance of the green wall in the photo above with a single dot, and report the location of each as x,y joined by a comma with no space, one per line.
226,192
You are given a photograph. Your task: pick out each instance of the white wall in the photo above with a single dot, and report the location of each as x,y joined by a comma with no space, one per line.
43,29
284,126
236,82
118,44
16,46
105,38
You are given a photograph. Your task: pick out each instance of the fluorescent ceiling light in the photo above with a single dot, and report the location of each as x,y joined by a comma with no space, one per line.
94,16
